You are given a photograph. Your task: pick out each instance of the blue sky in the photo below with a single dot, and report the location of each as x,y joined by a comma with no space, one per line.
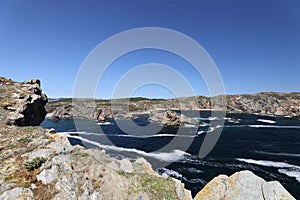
254,43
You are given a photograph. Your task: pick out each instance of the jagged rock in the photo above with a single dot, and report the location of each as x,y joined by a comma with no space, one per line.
18,193
182,193
23,103
242,185
48,175
273,190
262,103
126,166
172,118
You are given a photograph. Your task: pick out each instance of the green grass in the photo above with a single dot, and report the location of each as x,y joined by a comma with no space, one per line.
27,139
159,188
35,163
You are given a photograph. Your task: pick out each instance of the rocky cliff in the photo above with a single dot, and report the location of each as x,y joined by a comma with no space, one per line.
284,104
22,103
36,164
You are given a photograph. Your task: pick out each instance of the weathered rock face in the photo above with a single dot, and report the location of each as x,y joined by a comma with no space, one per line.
171,118
262,103
72,172
243,185
23,103
265,103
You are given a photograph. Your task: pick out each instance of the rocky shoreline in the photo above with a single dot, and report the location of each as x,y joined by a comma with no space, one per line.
277,104
41,164
72,172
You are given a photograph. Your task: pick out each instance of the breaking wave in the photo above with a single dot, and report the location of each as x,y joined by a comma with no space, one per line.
162,156
284,168
267,121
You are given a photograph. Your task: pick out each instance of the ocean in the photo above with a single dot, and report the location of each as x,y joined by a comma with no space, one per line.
269,146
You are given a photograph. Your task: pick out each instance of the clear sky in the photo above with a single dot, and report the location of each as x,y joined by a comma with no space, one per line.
254,43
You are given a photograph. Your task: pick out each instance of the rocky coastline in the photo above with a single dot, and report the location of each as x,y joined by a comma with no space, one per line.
277,104
41,164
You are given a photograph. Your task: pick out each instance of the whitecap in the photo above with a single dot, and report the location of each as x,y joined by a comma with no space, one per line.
213,118
284,168
172,173
291,173
196,180
189,125
267,121
203,125
162,156
131,136
194,170
272,126
201,132
104,123
279,154
235,121
267,163
211,129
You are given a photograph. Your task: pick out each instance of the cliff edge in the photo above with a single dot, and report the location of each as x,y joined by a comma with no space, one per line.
22,103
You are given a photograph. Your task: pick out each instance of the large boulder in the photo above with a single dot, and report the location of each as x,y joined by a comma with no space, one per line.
22,102
243,185
172,118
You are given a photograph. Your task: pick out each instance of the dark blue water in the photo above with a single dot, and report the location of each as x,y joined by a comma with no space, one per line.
271,149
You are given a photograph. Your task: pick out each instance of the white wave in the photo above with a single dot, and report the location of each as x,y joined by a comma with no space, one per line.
201,118
267,121
201,132
196,180
203,125
189,125
279,154
235,126
124,135
235,121
271,126
194,170
267,163
104,123
172,173
212,118
291,173
288,116
211,129
284,168
163,156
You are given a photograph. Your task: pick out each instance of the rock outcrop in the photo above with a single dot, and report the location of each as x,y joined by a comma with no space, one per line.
22,104
283,104
40,164
243,185
172,118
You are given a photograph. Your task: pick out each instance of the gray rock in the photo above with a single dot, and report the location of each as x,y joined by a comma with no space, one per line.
275,191
242,185
24,102
18,193
48,175
126,166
